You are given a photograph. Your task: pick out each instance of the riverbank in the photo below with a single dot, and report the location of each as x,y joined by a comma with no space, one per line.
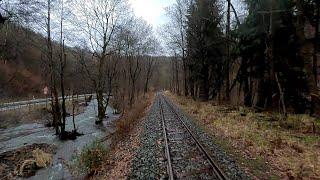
30,134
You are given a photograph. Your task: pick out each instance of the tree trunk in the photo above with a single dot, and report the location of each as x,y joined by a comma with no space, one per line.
177,77
228,53
203,84
186,93
133,91
101,107
282,102
54,94
56,109
146,85
316,44
306,54
64,111
191,85
63,57
73,113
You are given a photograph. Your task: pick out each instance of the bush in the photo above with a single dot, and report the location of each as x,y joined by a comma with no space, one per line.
90,158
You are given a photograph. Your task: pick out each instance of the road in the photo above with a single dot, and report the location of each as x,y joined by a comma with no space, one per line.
23,104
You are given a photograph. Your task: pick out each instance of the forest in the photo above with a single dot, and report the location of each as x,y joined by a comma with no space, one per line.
267,59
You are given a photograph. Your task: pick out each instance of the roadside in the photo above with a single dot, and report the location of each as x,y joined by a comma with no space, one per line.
257,142
33,114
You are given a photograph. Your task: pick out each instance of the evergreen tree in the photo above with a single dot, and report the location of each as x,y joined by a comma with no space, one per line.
205,47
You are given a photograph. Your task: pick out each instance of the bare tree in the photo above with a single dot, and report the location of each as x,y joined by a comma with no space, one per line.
62,58
149,66
52,66
175,31
139,42
101,19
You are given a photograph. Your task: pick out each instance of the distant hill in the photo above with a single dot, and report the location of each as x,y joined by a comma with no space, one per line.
23,66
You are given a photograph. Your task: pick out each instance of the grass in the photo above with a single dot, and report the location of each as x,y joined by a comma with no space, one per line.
131,116
16,117
267,147
32,114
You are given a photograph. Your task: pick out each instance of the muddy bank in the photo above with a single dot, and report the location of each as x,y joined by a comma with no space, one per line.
11,162
29,134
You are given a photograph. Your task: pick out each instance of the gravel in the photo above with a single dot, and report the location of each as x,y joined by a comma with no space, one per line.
226,163
150,161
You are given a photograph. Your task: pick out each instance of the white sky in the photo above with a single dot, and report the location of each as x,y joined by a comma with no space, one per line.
153,11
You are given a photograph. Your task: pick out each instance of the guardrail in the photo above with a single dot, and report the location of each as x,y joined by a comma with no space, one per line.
20,104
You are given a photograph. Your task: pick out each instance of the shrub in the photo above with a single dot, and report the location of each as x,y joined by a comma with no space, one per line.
90,158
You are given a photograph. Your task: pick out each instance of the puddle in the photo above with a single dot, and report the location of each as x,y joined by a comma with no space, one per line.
28,134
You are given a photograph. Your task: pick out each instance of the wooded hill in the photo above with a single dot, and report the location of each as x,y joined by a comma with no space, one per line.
24,71
24,68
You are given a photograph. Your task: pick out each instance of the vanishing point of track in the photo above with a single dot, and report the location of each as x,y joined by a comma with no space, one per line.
177,134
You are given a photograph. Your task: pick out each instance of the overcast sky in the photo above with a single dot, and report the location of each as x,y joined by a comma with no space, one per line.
153,11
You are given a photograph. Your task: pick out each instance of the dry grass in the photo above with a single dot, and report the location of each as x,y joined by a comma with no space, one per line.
32,114
42,159
13,118
287,150
130,116
89,160
126,141
118,164
25,161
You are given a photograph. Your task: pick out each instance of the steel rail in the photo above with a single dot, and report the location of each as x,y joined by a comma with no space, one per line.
218,172
167,151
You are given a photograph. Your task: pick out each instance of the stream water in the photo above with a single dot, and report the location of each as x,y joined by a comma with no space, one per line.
28,134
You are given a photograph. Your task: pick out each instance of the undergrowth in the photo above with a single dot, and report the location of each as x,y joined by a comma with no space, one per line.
89,159
131,116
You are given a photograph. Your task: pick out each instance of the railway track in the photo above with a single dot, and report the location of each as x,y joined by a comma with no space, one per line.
186,157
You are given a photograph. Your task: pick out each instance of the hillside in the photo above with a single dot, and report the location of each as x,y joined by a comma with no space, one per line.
23,65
